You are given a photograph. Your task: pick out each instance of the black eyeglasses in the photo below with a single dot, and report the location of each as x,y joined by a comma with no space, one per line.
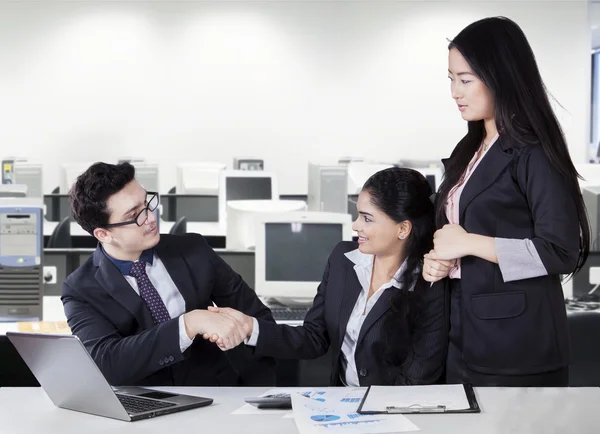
142,217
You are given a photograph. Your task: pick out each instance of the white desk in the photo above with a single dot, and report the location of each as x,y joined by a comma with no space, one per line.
504,411
214,229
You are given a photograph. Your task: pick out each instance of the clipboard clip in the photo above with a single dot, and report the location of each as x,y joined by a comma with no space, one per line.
416,408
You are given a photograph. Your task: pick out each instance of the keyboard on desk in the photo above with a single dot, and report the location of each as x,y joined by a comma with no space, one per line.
134,405
281,313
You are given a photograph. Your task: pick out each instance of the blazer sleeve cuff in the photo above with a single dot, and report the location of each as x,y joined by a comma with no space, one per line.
518,259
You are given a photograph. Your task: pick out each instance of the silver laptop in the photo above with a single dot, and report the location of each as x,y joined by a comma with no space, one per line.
70,377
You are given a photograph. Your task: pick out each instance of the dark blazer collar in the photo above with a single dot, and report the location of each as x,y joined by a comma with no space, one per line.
112,281
491,166
493,163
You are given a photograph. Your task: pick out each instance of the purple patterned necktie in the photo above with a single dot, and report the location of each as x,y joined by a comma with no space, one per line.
149,293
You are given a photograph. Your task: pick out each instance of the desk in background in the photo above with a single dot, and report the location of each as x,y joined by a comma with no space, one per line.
504,410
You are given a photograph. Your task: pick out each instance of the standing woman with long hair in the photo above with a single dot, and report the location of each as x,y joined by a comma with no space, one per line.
510,217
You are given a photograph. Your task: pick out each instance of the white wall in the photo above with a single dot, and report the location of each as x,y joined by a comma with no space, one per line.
286,81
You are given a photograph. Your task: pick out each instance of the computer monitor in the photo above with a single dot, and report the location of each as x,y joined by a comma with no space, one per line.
433,176
359,172
241,261
198,178
29,174
197,208
21,244
248,163
147,175
241,219
327,188
245,185
69,174
591,199
292,251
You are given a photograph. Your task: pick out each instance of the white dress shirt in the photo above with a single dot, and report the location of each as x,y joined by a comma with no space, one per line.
363,266
169,294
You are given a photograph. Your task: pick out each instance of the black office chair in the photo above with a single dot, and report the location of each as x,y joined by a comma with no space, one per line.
180,227
173,190
56,190
61,235
584,328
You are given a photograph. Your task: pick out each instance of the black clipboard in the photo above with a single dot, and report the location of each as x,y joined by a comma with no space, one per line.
417,409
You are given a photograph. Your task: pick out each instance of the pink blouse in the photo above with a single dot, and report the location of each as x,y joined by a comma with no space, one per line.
452,204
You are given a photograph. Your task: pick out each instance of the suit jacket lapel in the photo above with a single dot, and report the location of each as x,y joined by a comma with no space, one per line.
179,272
488,170
381,306
350,295
111,279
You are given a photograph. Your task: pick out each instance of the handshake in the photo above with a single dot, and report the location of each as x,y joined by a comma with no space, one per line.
222,325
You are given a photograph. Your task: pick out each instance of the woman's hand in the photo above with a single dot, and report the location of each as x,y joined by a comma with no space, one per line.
450,243
434,269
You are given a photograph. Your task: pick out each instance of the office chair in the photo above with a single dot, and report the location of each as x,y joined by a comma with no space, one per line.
56,190
61,235
173,190
180,227
584,329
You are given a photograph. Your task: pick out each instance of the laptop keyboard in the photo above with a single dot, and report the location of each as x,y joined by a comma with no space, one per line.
289,313
134,404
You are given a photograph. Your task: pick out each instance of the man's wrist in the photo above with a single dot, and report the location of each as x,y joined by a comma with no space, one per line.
190,320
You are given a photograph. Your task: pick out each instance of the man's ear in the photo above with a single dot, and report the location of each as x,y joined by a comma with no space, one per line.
103,235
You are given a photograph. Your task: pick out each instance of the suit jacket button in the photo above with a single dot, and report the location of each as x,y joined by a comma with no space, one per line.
171,359
166,360
363,372
161,362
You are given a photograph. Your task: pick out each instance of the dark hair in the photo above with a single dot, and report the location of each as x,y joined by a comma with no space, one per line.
92,190
404,194
499,54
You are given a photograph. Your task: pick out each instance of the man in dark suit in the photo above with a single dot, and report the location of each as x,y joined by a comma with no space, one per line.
139,302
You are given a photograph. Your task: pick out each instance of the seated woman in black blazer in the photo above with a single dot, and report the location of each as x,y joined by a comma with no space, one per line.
381,319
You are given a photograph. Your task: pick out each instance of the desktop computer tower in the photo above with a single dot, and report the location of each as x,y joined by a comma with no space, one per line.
327,188
21,262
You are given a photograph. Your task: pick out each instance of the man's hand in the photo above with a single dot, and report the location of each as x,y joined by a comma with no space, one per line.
226,329
244,321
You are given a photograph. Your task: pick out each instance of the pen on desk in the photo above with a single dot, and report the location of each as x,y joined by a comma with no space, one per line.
416,409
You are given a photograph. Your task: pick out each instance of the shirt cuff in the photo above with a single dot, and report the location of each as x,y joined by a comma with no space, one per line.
184,340
518,259
251,341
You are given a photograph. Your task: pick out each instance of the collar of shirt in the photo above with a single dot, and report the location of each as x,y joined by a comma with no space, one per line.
363,266
125,266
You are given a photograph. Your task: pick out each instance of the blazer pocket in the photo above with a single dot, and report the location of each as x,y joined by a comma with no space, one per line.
499,305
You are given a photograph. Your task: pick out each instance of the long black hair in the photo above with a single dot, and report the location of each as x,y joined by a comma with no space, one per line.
404,195
499,54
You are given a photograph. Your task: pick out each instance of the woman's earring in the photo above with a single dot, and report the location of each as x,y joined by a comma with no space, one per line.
402,236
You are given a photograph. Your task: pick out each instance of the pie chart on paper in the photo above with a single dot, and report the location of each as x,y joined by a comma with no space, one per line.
324,417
